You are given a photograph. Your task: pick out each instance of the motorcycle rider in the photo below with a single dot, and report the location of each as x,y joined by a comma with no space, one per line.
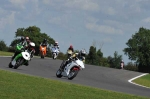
24,43
45,43
81,55
71,48
30,48
56,45
27,40
122,64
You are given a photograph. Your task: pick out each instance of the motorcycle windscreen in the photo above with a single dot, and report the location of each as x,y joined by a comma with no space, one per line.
53,49
79,62
26,55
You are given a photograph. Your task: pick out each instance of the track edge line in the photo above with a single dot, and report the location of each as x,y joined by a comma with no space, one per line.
130,80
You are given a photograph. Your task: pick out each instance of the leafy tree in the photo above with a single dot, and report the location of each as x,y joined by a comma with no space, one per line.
3,46
99,53
99,57
14,42
104,62
110,61
91,57
35,35
131,66
62,56
138,49
115,61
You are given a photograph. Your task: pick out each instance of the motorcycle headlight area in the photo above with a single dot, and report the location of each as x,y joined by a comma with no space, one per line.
42,48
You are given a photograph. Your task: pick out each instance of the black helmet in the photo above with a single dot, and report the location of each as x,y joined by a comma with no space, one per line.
45,40
22,38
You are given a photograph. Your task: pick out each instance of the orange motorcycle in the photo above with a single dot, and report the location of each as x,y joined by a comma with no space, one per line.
42,51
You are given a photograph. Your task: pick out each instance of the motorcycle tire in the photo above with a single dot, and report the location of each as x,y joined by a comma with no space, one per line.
72,74
42,56
63,62
18,63
10,65
58,73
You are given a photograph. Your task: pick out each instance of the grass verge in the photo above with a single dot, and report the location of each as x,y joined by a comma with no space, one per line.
19,86
144,80
2,53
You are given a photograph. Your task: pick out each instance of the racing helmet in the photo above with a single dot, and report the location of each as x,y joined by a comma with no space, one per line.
31,45
45,40
82,54
71,46
56,43
27,38
22,38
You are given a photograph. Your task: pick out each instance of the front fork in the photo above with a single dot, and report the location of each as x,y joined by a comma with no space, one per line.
16,58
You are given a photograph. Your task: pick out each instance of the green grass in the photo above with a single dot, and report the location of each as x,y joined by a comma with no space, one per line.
144,80
2,53
20,86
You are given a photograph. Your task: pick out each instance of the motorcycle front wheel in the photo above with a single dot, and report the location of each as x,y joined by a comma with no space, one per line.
18,63
58,73
10,65
42,56
72,74
54,55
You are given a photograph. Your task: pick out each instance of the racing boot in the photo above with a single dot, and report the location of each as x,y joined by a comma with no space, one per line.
26,64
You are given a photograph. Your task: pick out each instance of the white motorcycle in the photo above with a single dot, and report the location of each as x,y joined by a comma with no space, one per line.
55,52
71,70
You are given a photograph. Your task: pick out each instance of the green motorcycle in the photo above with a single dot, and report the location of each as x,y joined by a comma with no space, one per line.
22,58
19,49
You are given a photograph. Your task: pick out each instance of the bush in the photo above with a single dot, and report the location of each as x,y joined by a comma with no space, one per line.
131,66
62,56
3,46
11,49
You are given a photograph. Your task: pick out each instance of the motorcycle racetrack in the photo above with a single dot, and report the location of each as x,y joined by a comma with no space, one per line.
94,76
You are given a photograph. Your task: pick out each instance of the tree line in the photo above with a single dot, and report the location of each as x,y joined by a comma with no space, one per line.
138,47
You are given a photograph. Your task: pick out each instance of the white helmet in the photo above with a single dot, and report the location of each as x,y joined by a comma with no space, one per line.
83,52
56,42
27,38
32,44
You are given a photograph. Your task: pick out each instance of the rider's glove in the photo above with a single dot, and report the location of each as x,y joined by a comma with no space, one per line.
70,58
22,49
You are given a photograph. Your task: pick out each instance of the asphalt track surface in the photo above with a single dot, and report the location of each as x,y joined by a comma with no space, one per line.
94,76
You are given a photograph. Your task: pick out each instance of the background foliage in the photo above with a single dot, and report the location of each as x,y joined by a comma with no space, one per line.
138,48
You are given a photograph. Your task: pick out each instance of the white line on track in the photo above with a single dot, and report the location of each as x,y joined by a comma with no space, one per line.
130,81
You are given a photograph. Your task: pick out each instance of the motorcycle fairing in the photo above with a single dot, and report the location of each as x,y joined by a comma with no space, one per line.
80,63
26,55
68,67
